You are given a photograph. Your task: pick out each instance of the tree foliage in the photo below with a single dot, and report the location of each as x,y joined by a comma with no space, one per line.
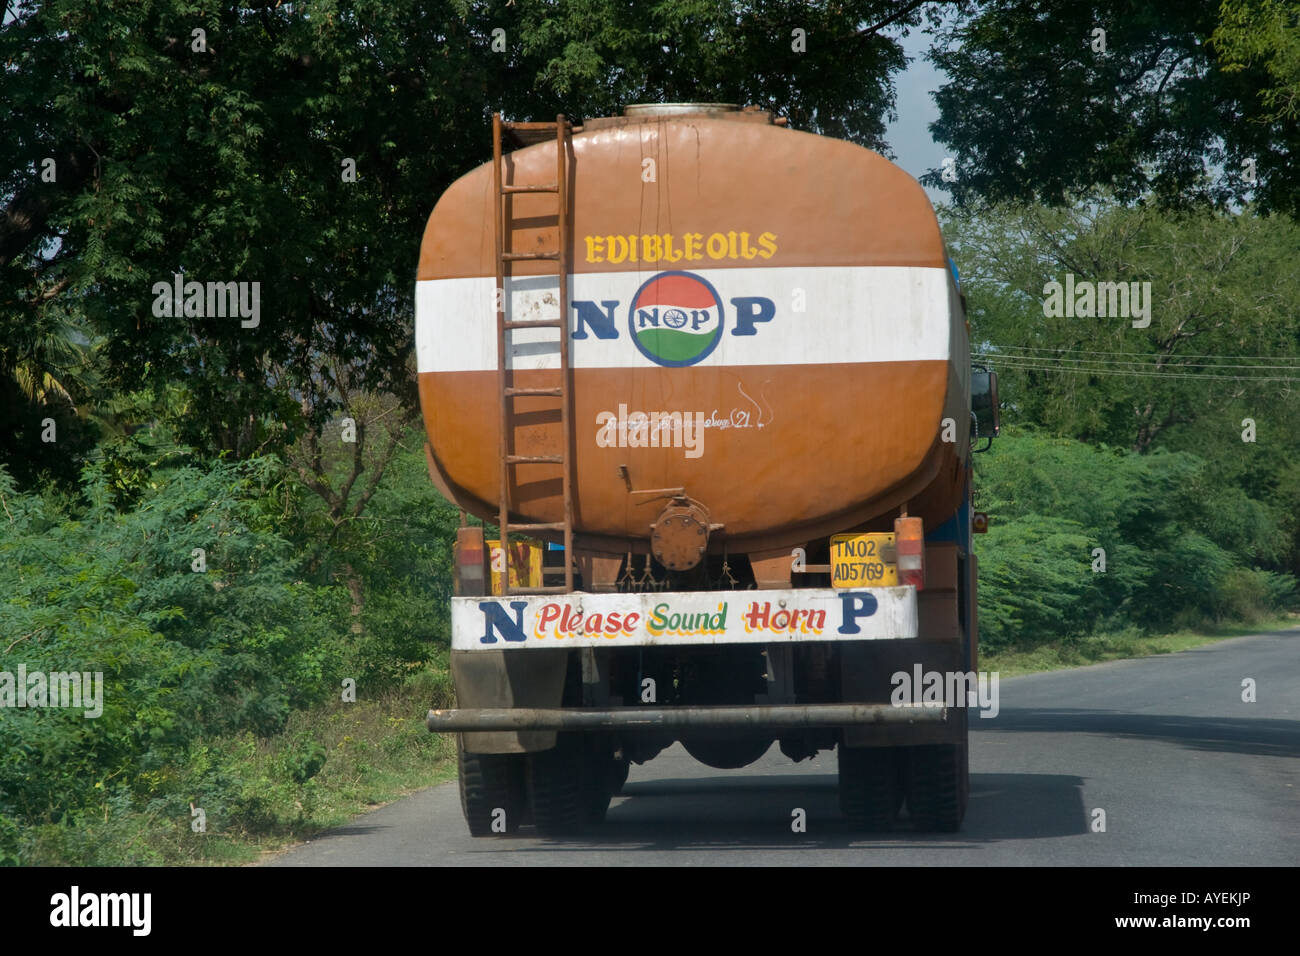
1188,101
1264,33
183,652
1223,340
191,651
1170,553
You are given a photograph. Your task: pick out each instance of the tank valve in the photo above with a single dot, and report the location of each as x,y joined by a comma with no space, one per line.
680,535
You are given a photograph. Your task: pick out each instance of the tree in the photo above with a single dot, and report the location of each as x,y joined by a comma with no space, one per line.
1214,374
1050,98
1264,32
1223,340
47,389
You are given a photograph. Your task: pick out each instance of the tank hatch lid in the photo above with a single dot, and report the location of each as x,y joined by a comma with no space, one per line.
677,109
656,112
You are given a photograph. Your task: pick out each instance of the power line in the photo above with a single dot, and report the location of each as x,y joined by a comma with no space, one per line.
1097,370
1031,348
1121,362
1027,365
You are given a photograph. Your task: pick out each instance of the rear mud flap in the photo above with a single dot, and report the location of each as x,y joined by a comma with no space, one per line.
499,678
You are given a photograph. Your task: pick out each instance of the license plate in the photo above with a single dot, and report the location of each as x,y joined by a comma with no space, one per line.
525,564
864,560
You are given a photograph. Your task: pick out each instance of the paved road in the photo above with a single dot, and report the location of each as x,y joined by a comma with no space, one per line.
1186,773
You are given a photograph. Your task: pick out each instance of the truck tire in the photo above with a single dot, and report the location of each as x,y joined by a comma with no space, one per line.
938,785
871,786
620,772
608,774
601,794
561,788
488,783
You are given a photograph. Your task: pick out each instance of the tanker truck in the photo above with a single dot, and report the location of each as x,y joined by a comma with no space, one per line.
721,368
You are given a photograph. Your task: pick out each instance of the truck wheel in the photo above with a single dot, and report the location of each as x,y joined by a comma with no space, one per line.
937,787
620,772
607,778
871,786
600,796
561,786
490,783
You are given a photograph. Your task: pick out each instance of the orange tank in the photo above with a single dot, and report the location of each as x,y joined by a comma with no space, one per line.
761,322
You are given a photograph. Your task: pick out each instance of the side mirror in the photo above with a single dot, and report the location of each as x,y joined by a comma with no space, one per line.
986,417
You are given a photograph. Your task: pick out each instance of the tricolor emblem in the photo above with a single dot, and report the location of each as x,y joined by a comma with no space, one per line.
676,319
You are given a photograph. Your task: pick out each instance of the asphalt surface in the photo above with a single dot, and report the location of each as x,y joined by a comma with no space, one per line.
1185,771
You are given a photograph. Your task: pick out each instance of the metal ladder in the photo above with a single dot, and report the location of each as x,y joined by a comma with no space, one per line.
526,134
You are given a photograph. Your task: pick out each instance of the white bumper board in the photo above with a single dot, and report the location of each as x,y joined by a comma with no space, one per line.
683,617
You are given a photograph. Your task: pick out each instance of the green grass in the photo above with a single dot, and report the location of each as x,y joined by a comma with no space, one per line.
1126,644
375,751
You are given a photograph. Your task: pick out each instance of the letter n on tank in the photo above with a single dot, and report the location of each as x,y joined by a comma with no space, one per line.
496,618
601,323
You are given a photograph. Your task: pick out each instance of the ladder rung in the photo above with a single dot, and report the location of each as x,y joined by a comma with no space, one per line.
523,256
534,460
507,124
552,526
534,188
549,589
557,392
534,324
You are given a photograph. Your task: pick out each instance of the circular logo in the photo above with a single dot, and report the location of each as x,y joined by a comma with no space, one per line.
676,319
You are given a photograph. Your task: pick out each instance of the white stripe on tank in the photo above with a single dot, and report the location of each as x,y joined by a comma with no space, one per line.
819,316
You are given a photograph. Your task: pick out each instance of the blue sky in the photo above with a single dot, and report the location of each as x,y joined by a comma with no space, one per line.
914,149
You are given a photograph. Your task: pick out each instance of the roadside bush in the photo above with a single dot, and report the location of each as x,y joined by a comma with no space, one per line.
183,653
1172,556
1034,580
1249,594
